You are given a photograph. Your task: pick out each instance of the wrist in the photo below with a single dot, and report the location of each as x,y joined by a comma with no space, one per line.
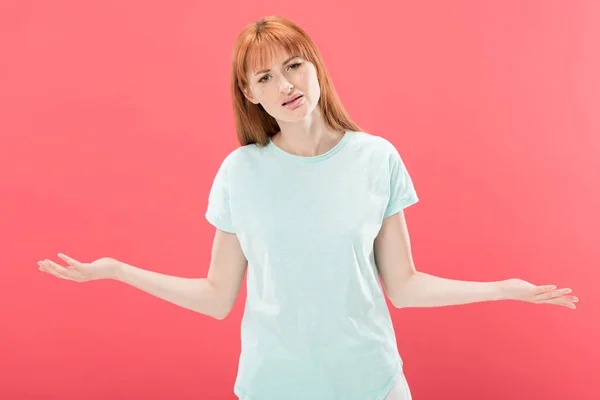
500,290
118,271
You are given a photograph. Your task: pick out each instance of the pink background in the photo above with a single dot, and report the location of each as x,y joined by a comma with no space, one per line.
115,116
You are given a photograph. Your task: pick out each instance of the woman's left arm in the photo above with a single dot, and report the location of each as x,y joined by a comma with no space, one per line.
407,287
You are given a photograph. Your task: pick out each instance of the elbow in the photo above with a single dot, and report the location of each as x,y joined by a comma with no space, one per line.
219,316
397,302
216,315
400,297
395,299
215,311
216,305
221,313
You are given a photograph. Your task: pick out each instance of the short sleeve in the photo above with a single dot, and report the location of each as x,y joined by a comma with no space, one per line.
402,191
218,211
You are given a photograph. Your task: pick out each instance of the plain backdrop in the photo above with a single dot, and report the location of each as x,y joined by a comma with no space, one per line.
115,115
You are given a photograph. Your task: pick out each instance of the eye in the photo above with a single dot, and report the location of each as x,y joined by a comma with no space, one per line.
292,66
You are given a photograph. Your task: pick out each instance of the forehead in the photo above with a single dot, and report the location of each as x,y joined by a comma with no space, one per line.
264,56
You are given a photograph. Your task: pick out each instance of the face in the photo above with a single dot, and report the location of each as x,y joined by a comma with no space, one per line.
288,77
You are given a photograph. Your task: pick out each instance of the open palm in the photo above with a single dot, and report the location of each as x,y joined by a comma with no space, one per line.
518,289
103,268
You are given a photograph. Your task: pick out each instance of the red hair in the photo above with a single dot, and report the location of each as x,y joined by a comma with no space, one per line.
255,47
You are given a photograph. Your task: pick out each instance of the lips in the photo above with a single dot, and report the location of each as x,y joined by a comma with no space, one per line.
292,99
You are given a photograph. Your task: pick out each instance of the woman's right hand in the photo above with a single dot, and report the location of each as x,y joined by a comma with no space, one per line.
103,268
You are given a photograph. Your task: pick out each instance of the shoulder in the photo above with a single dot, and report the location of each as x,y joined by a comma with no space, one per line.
243,156
375,143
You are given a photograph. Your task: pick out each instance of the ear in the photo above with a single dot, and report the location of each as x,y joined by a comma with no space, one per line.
248,94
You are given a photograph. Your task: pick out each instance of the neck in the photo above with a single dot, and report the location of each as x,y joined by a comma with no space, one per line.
306,138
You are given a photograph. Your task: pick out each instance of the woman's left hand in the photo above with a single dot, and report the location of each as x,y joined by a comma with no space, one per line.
518,289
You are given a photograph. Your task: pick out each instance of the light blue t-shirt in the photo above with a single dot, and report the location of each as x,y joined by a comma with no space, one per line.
316,324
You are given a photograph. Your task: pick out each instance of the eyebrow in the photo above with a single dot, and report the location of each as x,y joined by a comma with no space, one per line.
285,62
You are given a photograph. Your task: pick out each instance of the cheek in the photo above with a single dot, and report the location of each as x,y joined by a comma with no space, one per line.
257,91
313,87
311,81
263,95
269,98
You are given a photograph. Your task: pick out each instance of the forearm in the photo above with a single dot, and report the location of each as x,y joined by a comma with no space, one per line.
424,290
196,294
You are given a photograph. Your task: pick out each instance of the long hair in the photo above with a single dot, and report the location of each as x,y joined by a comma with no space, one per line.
256,46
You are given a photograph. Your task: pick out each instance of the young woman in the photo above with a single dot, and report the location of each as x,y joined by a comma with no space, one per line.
313,207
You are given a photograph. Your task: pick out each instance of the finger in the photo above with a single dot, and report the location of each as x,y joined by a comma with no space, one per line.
560,301
545,288
45,267
60,271
573,299
41,266
567,304
554,293
70,261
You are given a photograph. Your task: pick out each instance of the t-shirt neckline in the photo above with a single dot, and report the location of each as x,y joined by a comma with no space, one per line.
310,159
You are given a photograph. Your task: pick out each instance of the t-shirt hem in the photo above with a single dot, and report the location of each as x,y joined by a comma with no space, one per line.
242,395
386,389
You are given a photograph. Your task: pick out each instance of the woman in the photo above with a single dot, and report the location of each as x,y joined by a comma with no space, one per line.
314,207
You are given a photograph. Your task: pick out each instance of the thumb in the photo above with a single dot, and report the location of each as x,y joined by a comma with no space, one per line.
72,262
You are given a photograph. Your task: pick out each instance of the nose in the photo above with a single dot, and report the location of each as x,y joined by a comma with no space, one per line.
285,86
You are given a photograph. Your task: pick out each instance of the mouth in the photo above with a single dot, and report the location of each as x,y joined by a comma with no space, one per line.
291,100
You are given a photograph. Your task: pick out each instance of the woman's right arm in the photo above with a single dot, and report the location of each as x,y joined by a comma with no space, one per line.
214,295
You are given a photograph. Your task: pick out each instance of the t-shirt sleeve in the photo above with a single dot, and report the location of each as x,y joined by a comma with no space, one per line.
402,191
218,211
